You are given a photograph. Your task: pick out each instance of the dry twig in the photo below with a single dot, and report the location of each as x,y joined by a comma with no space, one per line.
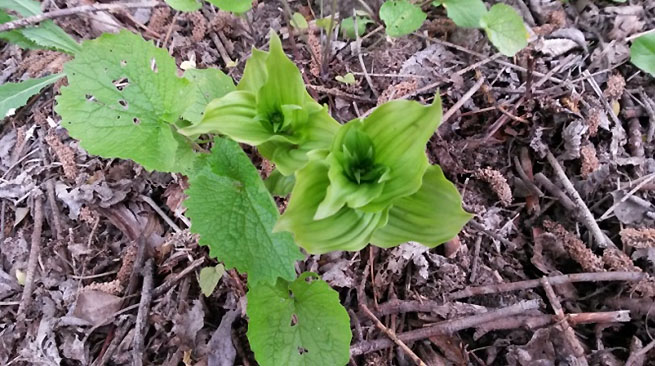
35,249
24,22
391,334
142,316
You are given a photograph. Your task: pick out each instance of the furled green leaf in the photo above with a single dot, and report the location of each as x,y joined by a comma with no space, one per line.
235,6
47,34
184,5
348,229
299,323
465,13
15,36
279,184
207,85
209,277
348,27
122,101
272,110
401,17
642,53
15,95
234,214
505,29
431,216
298,21
398,131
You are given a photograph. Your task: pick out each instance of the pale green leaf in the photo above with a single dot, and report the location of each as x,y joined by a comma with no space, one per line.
505,29
15,95
255,74
348,27
279,184
184,5
235,6
209,277
298,21
400,130
348,229
431,216
122,101
207,85
465,13
642,53
401,17
234,214
298,324
349,78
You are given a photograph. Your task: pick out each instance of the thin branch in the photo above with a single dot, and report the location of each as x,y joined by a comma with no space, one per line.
142,316
554,280
445,327
585,215
391,334
35,249
24,22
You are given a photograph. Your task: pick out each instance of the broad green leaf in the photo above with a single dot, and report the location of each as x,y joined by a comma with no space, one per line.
401,17
642,53
465,13
431,216
47,34
348,229
207,85
348,27
122,101
505,29
15,95
349,78
279,184
298,21
209,277
235,6
184,5
15,36
234,214
299,323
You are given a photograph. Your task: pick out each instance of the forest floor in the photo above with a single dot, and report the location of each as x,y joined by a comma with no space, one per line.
552,151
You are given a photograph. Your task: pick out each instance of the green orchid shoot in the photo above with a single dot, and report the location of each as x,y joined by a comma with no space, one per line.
375,185
272,110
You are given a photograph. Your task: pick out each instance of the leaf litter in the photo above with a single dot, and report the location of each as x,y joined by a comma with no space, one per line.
102,216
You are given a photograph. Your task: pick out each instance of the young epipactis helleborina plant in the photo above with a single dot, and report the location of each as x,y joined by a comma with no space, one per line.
375,185
272,110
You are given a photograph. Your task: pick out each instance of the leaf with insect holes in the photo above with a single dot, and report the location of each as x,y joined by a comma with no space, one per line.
298,323
209,277
123,99
642,53
505,29
15,95
234,6
47,34
234,214
465,13
401,17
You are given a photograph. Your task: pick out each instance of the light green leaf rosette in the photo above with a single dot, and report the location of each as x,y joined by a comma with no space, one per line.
375,185
272,110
